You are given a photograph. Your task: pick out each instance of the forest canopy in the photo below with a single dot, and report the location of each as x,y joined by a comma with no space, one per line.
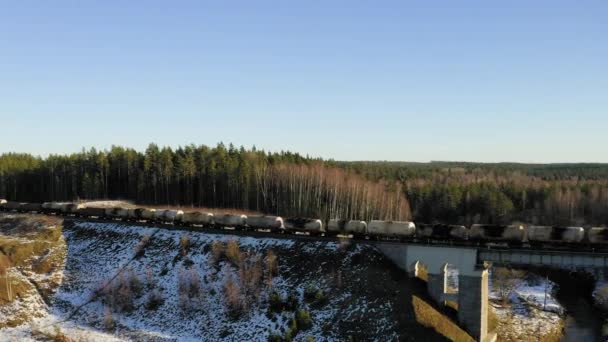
290,184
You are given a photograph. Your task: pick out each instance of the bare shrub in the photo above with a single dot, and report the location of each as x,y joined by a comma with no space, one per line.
5,268
504,281
120,293
234,302
141,246
217,249
184,244
150,280
190,289
251,274
272,264
154,300
108,319
233,253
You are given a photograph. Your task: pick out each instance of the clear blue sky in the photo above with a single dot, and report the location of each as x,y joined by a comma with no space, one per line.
351,80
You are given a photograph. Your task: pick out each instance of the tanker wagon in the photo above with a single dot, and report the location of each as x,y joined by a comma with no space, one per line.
401,230
192,218
228,220
117,213
597,235
442,232
304,225
70,208
344,227
538,235
265,222
510,234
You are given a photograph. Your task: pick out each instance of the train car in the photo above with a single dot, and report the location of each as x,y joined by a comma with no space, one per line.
71,208
597,235
147,214
197,218
91,212
228,220
31,207
170,215
117,213
2,202
346,227
391,229
12,206
305,225
265,222
442,232
510,234
556,235
52,207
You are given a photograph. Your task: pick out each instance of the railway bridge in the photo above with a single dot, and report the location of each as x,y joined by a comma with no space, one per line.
473,264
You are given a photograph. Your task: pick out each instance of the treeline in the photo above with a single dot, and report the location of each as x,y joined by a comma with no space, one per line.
291,184
274,183
502,193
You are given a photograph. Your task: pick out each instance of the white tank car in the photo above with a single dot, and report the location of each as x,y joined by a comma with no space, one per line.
10,205
172,215
264,221
391,228
55,206
298,224
355,227
555,234
117,212
442,231
493,232
228,220
197,217
2,201
147,214
71,208
598,235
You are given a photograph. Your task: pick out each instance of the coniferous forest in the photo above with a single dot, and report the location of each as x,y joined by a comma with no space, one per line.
290,184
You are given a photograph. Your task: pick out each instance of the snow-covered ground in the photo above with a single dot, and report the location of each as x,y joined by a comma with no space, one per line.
98,251
531,308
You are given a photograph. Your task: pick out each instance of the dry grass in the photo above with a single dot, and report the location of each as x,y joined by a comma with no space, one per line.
217,250
233,253
141,246
184,244
120,293
234,300
428,316
18,288
190,289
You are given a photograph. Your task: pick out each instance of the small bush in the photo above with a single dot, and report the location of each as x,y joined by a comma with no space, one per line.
304,320
320,298
155,300
310,292
292,302
141,246
272,266
217,249
274,337
310,339
234,302
184,244
275,302
233,253
108,320
190,289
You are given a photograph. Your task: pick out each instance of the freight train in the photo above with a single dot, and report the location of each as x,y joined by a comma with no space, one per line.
477,234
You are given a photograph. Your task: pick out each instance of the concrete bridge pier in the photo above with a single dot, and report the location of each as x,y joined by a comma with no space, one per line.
472,295
473,304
